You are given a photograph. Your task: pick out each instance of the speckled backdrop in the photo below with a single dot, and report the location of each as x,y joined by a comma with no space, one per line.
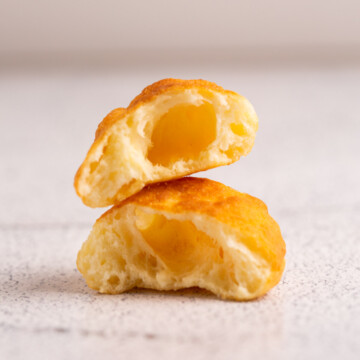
305,166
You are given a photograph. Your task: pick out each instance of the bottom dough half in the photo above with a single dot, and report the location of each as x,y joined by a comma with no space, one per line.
185,233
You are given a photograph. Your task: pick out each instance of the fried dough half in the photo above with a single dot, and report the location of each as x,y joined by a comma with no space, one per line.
172,129
185,233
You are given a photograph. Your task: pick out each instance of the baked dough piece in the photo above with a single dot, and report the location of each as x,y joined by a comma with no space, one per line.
172,129
184,233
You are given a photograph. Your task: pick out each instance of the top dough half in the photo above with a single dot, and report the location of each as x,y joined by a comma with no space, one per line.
172,129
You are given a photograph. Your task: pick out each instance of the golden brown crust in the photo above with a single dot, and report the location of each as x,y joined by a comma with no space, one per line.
207,197
165,85
109,120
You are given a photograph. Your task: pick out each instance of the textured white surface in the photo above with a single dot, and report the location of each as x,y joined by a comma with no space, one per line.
304,166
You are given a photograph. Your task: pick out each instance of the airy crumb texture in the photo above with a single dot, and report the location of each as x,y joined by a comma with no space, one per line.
172,129
184,233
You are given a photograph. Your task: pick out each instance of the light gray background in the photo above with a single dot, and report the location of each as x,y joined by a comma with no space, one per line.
65,65
44,26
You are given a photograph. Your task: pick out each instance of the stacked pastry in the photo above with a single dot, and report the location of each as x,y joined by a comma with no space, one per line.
166,231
